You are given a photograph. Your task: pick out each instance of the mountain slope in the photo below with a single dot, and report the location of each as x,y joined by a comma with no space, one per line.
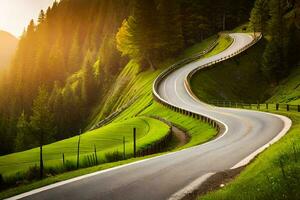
288,90
8,46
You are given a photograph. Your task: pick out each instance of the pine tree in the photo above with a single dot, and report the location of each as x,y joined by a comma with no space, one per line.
74,55
170,28
41,17
139,36
31,28
42,122
56,65
88,81
259,16
126,42
271,61
275,55
22,138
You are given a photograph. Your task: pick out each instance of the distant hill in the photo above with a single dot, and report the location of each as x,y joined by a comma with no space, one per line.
8,45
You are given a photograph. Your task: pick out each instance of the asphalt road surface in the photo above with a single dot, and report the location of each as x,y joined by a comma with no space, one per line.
161,177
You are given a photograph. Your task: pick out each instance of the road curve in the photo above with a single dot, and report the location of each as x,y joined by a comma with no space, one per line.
162,177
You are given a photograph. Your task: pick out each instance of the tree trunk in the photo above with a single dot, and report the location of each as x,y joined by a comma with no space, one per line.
41,161
224,21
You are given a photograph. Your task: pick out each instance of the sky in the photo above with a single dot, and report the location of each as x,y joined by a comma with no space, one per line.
15,15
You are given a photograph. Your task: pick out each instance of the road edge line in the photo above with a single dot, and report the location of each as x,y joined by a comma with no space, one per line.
190,188
287,125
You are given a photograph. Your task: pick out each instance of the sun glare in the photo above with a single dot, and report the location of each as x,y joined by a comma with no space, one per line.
16,14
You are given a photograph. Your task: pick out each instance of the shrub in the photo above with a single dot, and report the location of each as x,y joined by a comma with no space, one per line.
33,173
70,165
113,156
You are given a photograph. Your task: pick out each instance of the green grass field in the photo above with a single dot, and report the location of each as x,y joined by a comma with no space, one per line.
106,139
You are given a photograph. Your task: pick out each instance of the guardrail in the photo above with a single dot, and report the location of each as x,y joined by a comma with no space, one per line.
214,123
257,106
255,40
187,81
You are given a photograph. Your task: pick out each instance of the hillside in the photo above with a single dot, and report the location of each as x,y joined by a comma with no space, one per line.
288,90
245,75
8,46
108,139
77,50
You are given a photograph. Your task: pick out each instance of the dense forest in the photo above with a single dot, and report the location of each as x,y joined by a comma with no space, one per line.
67,60
279,21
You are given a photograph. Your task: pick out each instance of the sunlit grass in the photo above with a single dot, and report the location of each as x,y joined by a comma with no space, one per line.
106,139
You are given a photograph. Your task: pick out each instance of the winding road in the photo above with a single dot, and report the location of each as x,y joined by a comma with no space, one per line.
172,175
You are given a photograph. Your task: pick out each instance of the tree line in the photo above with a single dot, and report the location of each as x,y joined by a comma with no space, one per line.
67,60
278,21
160,29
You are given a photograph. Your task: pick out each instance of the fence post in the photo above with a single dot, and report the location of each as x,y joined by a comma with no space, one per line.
63,157
124,152
277,106
267,106
298,108
96,158
134,142
78,149
258,106
287,107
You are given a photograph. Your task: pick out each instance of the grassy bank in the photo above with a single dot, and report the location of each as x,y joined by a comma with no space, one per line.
288,90
275,174
106,139
230,79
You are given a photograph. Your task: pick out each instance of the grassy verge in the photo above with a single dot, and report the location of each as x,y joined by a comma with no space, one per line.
275,174
199,132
